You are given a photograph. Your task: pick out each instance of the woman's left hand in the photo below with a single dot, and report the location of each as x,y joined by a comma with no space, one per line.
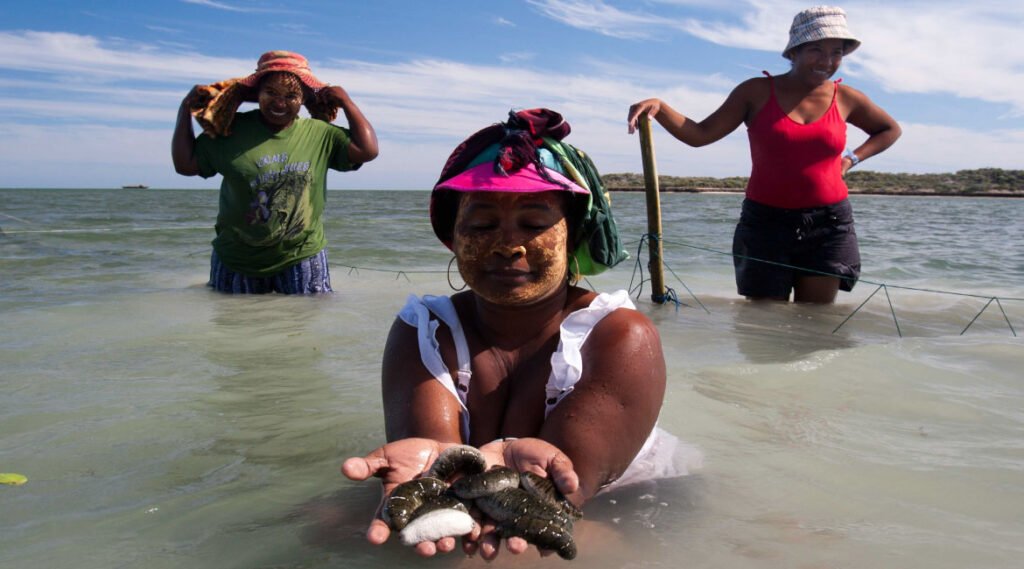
523,455
844,166
534,455
334,95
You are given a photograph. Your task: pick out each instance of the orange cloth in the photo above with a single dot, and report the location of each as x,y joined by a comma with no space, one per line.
218,102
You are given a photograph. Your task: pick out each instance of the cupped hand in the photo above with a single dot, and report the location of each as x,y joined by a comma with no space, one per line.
395,463
523,455
537,456
650,107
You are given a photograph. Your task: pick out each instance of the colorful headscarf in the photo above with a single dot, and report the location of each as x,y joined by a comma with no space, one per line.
526,154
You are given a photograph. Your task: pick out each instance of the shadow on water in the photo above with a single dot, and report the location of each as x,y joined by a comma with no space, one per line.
623,526
337,523
771,332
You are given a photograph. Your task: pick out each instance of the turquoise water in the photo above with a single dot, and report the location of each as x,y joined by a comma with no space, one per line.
162,425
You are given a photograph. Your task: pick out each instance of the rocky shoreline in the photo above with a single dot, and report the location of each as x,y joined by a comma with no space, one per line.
853,191
982,182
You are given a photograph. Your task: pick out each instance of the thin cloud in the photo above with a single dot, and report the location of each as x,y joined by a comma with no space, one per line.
761,27
600,17
163,29
503,22
233,8
87,57
294,29
517,57
217,5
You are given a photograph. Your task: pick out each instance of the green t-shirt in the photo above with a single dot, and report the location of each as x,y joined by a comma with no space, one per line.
273,192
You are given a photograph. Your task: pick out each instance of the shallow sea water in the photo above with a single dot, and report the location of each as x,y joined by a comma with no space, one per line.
162,425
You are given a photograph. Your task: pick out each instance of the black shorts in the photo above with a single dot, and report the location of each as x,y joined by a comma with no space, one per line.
815,241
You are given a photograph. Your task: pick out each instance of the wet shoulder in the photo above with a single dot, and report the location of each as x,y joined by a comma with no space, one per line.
624,325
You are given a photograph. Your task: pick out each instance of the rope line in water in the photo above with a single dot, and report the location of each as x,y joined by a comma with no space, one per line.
402,273
694,296
105,229
936,291
14,218
1005,317
670,294
891,309
881,286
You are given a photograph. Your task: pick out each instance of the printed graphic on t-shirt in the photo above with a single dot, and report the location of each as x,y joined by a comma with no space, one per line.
280,208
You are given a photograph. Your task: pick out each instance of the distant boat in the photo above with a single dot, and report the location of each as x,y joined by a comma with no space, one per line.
135,187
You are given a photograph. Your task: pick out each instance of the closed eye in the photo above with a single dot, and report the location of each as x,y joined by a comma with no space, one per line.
536,226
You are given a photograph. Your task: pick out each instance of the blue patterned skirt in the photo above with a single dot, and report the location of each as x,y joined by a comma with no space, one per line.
308,276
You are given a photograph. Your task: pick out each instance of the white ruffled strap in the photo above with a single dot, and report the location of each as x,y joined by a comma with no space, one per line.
417,313
567,361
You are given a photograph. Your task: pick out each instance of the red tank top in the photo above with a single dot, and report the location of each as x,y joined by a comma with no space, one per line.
796,165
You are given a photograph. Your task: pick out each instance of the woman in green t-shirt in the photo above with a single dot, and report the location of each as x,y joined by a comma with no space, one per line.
274,165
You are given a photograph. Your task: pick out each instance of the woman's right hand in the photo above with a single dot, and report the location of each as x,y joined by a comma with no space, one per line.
197,97
395,463
649,107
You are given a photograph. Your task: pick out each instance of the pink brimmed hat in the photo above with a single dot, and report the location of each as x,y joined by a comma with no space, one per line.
287,61
483,178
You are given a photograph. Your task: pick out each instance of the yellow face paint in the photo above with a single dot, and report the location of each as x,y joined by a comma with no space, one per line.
512,248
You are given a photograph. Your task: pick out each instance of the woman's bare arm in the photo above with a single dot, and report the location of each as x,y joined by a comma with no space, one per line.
719,124
883,130
415,403
183,142
605,421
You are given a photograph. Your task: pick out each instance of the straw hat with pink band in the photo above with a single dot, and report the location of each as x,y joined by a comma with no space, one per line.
286,61
526,155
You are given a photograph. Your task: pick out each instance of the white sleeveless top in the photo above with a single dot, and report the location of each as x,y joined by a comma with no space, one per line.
658,458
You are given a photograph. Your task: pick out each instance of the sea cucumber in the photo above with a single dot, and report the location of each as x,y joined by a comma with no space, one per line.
436,524
462,459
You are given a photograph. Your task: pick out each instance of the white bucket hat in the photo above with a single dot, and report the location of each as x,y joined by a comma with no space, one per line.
819,23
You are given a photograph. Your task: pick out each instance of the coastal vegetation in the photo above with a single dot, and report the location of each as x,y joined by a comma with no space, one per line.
980,182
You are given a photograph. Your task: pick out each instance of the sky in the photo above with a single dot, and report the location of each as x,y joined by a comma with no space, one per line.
89,91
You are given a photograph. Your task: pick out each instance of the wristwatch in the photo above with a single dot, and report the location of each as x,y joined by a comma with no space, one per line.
853,157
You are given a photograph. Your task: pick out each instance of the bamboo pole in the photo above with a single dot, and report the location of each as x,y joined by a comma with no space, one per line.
653,211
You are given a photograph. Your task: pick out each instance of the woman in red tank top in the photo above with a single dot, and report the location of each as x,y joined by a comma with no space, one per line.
795,212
